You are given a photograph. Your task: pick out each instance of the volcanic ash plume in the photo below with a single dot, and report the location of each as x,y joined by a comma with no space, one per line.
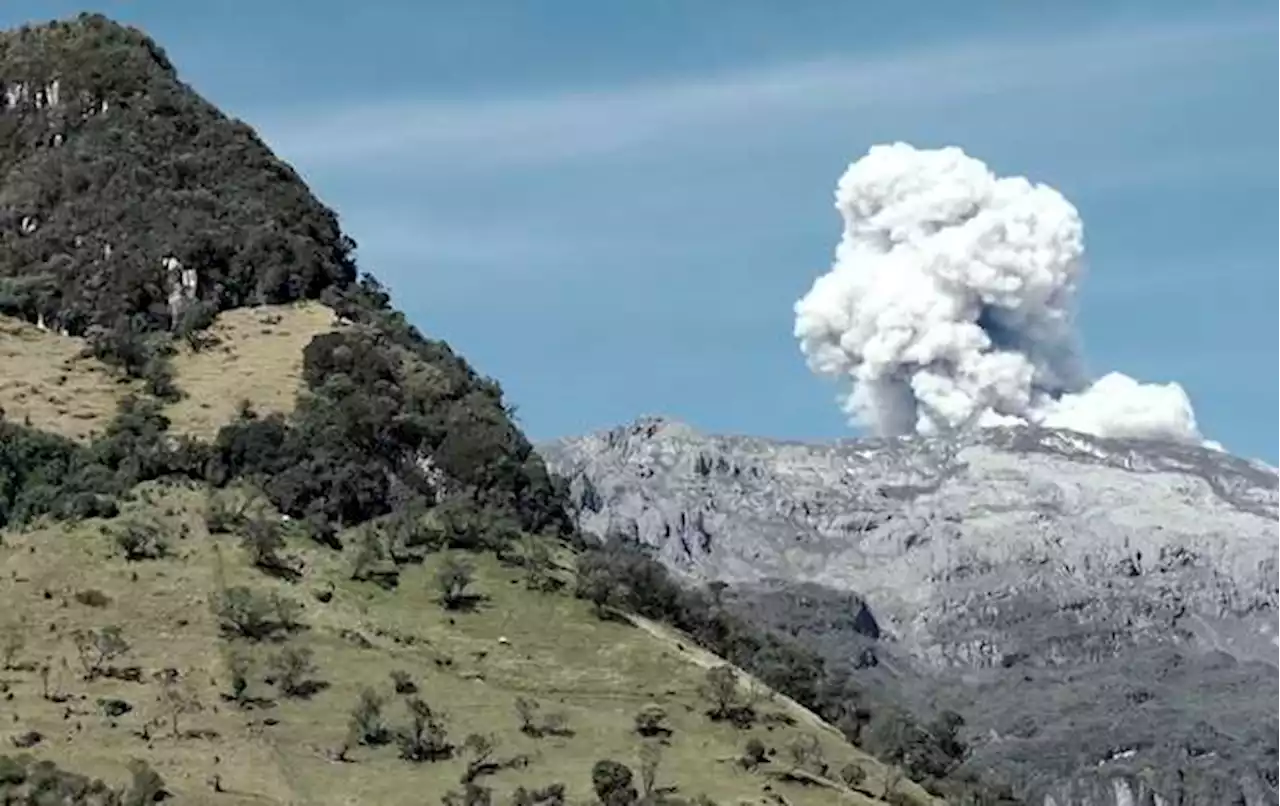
950,304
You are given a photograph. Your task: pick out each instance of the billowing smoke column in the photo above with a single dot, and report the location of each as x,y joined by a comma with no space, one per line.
950,304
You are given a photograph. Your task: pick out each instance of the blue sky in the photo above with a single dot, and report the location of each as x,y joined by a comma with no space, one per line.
612,207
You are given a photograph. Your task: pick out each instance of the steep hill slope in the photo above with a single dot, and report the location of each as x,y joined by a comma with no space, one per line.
299,552
1102,612
267,746
126,199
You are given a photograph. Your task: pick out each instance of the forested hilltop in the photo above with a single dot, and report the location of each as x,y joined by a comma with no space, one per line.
360,584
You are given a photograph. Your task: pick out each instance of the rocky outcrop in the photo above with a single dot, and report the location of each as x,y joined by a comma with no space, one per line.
1103,612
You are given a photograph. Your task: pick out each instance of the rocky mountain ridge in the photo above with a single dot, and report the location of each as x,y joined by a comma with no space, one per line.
1020,575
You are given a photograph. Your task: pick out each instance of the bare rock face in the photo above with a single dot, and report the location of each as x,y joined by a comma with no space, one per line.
1102,612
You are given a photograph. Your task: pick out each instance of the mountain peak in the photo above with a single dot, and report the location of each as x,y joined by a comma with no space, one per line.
126,197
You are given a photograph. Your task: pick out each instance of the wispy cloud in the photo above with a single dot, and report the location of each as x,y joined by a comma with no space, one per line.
547,129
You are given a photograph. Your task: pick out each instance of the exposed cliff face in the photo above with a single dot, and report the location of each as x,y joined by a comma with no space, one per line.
124,194
1103,612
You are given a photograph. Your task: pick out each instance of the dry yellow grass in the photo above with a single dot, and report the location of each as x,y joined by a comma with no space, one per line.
258,358
556,651
44,379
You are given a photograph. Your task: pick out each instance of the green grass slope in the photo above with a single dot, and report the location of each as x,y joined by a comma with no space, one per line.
59,580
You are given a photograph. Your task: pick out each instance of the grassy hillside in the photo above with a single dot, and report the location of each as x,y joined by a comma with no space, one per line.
60,581
548,647
53,382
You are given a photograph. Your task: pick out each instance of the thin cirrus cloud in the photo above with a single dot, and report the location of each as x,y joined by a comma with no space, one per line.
559,127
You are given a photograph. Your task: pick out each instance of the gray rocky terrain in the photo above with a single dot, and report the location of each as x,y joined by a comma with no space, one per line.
1102,612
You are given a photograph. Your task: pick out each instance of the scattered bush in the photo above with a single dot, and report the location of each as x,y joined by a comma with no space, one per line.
141,540
806,754
372,562
650,761
263,540
753,754
92,598
25,781
452,579
146,787
403,683
720,688
613,783
852,775
550,795
13,637
97,648
238,669
292,669
471,795
534,723
425,737
480,749
177,697
245,613
651,721
224,513
366,719
539,567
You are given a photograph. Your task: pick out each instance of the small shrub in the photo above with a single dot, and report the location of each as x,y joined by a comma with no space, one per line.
13,638
754,754
146,786
550,795
720,689
366,719
263,540
177,697
650,761
425,738
238,669
533,723
245,613
160,380
292,669
403,682
224,513
372,563
651,721
853,775
613,783
28,739
92,598
141,540
806,754
539,567
480,749
97,648
453,577
472,794
113,707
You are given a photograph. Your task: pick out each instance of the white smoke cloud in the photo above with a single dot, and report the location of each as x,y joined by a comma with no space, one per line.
951,304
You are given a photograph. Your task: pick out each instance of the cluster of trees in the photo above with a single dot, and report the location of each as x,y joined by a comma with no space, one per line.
119,166
391,421
27,782
46,474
